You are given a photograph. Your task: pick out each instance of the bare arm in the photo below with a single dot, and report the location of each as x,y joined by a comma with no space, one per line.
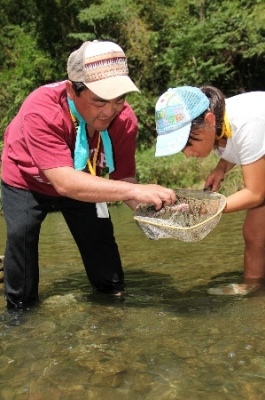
82,186
131,203
253,194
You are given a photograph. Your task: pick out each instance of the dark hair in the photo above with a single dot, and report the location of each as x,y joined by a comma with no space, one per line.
196,123
217,105
78,87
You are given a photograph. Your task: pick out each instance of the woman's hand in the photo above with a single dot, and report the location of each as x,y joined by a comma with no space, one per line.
216,177
214,180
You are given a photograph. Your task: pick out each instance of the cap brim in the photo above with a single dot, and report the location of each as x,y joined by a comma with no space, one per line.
171,143
111,88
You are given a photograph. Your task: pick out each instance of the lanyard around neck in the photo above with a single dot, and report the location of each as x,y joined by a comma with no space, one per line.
93,166
81,150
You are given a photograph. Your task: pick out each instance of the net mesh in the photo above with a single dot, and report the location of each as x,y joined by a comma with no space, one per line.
195,214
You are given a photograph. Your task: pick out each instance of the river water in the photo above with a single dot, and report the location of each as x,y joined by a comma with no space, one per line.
169,339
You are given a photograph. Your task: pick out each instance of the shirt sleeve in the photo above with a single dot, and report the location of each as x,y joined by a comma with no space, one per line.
123,133
250,141
46,142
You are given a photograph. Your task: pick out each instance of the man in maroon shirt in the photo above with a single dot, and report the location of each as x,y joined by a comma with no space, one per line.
55,148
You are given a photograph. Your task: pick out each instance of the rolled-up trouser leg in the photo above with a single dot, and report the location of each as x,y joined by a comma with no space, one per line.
96,242
23,218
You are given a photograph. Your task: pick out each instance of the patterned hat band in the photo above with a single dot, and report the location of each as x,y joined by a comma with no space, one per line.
102,68
97,70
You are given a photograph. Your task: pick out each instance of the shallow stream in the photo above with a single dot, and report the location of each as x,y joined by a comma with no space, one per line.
169,339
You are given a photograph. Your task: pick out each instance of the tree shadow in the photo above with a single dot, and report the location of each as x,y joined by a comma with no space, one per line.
148,289
144,289
227,277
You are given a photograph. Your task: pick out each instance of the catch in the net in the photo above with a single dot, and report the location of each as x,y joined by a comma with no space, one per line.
195,214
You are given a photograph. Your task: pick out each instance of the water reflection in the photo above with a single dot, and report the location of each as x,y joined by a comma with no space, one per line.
168,340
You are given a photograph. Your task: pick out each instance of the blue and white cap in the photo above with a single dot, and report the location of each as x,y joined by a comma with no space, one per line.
174,112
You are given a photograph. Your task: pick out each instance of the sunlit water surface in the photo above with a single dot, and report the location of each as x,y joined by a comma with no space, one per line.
168,340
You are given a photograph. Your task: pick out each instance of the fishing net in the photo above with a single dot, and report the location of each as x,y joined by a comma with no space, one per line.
195,214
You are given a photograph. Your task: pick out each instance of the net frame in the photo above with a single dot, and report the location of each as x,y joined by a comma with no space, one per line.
162,229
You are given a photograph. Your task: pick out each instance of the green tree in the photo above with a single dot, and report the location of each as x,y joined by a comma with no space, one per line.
169,43
135,26
216,42
23,67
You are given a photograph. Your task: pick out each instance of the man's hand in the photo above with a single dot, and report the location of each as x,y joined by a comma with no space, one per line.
157,195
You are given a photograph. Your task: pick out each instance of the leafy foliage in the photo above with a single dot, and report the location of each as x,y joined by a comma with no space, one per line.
23,67
169,43
173,171
214,42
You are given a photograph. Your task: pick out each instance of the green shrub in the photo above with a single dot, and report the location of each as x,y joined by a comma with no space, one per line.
178,171
172,171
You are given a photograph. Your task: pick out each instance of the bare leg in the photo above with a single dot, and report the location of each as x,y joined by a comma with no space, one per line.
254,235
254,256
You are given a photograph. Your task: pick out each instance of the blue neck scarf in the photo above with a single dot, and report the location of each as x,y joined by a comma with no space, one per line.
81,152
